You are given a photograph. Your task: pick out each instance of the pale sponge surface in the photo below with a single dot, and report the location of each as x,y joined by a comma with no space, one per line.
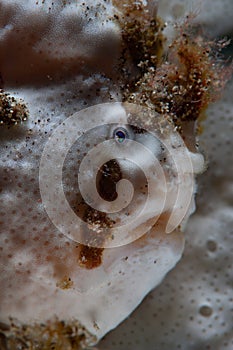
212,15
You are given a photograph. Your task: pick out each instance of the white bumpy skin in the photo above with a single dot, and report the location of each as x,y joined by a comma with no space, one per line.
192,308
57,78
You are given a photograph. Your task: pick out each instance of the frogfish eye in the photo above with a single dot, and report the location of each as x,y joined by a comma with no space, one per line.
120,135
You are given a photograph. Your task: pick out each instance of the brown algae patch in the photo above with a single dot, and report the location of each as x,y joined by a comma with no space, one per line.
52,335
185,84
90,257
178,83
142,38
12,110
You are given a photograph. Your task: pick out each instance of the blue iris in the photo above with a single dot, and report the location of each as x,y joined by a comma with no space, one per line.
120,135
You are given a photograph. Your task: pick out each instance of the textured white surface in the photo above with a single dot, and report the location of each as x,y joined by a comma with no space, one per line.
171,317
212,15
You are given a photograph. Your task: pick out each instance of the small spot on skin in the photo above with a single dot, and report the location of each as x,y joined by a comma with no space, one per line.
65,283
205,311
211,245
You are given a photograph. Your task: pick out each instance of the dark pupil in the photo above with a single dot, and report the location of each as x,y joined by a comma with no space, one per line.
120,136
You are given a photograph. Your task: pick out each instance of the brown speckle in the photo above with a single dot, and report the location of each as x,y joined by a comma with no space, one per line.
65,283
90,257
54,334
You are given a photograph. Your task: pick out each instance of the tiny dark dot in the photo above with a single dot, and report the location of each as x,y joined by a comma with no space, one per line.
205,311
211,245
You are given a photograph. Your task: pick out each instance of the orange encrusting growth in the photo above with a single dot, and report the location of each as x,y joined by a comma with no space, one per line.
57,335
187,81
90,257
